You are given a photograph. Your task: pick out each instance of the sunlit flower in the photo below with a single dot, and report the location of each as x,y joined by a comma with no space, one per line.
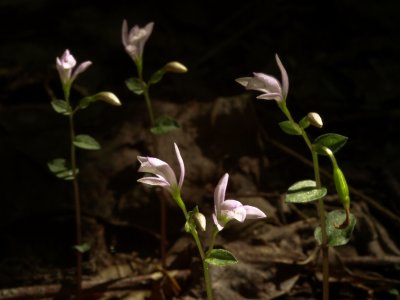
65,65
135,39
227,210
268,85
164,175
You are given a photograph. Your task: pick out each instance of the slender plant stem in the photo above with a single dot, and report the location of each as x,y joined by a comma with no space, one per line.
193,231
149,106
324,244
76,199
321,208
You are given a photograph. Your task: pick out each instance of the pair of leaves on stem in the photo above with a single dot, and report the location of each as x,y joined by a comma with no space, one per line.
61,168
305,191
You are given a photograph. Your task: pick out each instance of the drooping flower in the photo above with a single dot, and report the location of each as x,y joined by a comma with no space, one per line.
227,210
65,65
135,39
164,175
268,85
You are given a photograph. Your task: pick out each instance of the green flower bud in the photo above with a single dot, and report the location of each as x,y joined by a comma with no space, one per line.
200,220
315,119
341,187
175,67
108,97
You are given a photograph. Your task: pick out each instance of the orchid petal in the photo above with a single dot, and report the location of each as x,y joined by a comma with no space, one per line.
216,222
239,214
219,193
181,165
230,204
285,77
243,80
81,68
125,34
269,83
253,212
159,181
271,96
158,167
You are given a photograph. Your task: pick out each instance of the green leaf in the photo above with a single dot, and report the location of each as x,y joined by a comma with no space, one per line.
135,85
220,257
85,102
85,141
304,191
290,128
164,124
336,236
82,248
157,76
333,141
61,106
60,168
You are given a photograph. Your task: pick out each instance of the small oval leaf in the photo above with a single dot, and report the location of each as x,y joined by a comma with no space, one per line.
157,76
61,168
336,236
135,85
61,106
333,141
164,124
304,191
220,257
82,248
85,141
290,128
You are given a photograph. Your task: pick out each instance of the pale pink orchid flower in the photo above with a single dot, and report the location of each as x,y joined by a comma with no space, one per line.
135,39
164,175
65,65
268,85
227,210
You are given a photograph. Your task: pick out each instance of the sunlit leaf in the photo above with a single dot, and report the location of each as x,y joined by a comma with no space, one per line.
220,257
333,141
135,85
61,168
304,191
290,128
335,235
157,76
61,106
164,125
85,141
82,248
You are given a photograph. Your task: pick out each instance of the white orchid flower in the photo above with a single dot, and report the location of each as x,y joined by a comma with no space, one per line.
135,39
65,65
268,85
164,175
227,210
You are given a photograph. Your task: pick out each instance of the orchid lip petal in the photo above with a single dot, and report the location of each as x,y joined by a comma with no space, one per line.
216,222
253,212
244,81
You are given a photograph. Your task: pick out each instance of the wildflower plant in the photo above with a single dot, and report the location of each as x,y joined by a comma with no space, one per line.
134,41
67,169
336,226
225,210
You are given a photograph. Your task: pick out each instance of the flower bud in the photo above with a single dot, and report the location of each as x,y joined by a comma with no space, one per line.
108,97
315,119
200,220
175,67
341,187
